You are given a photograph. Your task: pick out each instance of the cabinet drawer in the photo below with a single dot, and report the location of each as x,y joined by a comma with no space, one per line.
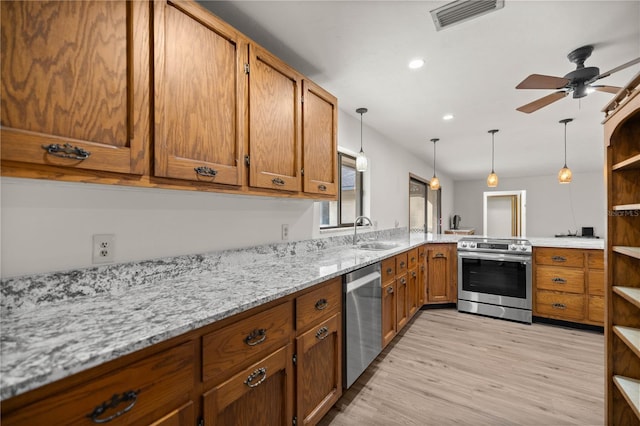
570,280
318,304
596,282
152,387
596,309
229,347
560,305
412,258
596,260
388,269
401,263
559,257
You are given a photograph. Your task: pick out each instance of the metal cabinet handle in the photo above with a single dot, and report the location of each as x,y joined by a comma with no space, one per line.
277,181
321,304
322,333
403,280
257,336
66,151
439,255
559,280
322,187
422,268
422,254
413,274
559,306
401,264
389,271
257,373
205,171
389,290
129,396
559,259
413,259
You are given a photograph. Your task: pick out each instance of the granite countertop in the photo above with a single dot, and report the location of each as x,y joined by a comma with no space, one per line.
129,307
55,325
568,242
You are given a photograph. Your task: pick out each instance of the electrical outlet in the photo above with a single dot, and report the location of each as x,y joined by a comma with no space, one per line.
103,248
285,231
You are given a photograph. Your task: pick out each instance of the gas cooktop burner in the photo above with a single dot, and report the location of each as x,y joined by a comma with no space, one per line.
495,245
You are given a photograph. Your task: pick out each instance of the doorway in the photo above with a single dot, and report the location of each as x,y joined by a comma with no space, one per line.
424,207
504,213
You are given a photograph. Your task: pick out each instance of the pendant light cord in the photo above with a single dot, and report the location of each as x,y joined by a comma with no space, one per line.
492,155
361,133
565,144
434,158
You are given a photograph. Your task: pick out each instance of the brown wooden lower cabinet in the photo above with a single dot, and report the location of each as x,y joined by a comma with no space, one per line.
402,301
182,416
441,274
389,325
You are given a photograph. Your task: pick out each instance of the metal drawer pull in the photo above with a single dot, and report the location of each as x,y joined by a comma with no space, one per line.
129,396
559,280
439,255
413,259
259,334
401,264
206,171
321,304
422,254
390,290
322,187
257,373
559,306
403,281
322,333
559,259
389,271
277,181
67,151
413,274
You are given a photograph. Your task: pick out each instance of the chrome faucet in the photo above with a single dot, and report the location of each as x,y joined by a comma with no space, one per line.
355,227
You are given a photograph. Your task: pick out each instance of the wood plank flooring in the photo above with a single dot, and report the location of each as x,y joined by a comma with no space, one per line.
448,368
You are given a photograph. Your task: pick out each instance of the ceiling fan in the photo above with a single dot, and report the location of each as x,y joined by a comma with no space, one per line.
578,81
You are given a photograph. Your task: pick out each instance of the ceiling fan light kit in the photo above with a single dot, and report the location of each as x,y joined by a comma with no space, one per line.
564,175
578,82
361,159
434,183
492,179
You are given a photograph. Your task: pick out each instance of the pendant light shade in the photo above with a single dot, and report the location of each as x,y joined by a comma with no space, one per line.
492,179
361,159
434,183
564,175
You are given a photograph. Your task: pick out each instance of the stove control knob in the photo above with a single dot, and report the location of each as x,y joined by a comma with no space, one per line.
513,247
472,245
523,248
463,244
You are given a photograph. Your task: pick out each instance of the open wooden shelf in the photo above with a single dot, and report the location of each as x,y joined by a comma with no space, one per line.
629,163
623,207
628,251
630,389
630,336
631,294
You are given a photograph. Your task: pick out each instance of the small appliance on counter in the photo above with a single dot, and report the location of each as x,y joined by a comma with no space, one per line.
455,222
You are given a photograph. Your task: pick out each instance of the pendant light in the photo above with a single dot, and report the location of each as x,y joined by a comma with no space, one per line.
492,179
564,175
434,184
361,159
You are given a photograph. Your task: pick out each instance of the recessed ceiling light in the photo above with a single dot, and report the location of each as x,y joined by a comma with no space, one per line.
447,117
416,63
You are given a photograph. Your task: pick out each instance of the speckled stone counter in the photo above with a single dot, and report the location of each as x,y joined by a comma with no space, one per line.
58,324
568,242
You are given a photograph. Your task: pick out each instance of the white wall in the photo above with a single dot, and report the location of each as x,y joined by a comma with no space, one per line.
551,208
48,226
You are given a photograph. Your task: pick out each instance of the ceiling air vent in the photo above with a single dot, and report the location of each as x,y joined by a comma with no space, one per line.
463,10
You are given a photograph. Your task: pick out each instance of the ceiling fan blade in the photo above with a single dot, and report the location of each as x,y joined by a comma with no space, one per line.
608,89
542,102
616,69
539,81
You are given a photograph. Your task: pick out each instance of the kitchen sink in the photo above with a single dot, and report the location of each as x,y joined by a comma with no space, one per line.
377,245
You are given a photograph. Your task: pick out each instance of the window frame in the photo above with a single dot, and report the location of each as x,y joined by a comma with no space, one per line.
359,194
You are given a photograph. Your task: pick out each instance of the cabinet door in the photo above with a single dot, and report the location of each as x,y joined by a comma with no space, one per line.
199,95
179,417
422,276
319,370
319,140
258,395
389,326
412,291
402,302
439,274
75,84
274,127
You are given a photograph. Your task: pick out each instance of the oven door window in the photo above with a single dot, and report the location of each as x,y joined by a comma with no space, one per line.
502,278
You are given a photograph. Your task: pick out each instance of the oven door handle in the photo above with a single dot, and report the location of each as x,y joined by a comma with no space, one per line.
498,257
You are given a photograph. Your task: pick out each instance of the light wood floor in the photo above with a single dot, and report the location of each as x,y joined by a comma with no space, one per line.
448,368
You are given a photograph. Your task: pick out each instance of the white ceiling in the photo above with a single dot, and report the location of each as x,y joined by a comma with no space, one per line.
359,51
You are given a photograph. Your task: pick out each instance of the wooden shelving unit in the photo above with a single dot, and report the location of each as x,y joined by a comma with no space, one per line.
622,328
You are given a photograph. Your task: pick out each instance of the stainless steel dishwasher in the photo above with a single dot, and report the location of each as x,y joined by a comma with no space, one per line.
363,320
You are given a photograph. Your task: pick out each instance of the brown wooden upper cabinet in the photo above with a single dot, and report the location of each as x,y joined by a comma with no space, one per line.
75,84
319,139
274,122
199,95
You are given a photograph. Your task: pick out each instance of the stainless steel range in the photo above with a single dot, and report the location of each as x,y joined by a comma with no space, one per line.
494,277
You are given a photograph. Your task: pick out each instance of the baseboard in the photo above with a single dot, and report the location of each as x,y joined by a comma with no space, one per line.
569,324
